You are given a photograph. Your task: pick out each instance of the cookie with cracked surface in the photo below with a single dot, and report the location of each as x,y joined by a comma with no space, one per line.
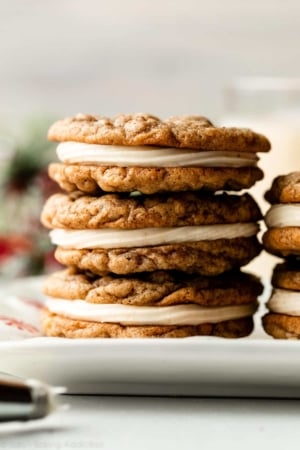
287,275
284,242
93,179
203,257
59,326
195,132
78,211
285,189
282,326
154,288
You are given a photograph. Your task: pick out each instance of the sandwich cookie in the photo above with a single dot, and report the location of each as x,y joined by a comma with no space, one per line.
140,152
159,304
123,234
283,218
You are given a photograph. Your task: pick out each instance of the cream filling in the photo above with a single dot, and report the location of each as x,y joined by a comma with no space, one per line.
144,156
148,315
280,216
285,302
107,238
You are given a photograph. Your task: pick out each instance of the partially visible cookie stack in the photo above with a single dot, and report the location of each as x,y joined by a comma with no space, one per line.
151,248
283,239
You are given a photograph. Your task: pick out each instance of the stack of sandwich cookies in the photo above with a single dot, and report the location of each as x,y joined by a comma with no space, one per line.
144,235
283,239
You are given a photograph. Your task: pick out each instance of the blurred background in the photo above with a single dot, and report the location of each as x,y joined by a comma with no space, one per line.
165,56
160,56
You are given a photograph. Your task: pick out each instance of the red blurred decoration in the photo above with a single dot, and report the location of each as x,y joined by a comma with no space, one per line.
25,248
13,245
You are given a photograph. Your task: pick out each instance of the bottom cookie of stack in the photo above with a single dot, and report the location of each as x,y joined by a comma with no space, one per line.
283,320
157,304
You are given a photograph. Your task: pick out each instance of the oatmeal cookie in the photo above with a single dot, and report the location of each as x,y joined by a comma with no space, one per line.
154,288
194,132
204,257
93,179
60,326
282,326
78,211
287,276
283,242
285,189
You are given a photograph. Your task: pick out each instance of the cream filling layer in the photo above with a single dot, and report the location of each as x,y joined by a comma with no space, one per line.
148,315
279,216
144,156
107,238
285,302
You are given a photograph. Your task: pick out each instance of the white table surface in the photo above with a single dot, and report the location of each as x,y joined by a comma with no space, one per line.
129,423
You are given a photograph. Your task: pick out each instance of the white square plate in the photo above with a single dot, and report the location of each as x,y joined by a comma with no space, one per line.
253,366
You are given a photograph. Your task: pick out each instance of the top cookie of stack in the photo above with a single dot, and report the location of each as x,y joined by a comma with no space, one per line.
142,198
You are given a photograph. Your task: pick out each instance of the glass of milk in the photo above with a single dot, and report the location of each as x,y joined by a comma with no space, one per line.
270,106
